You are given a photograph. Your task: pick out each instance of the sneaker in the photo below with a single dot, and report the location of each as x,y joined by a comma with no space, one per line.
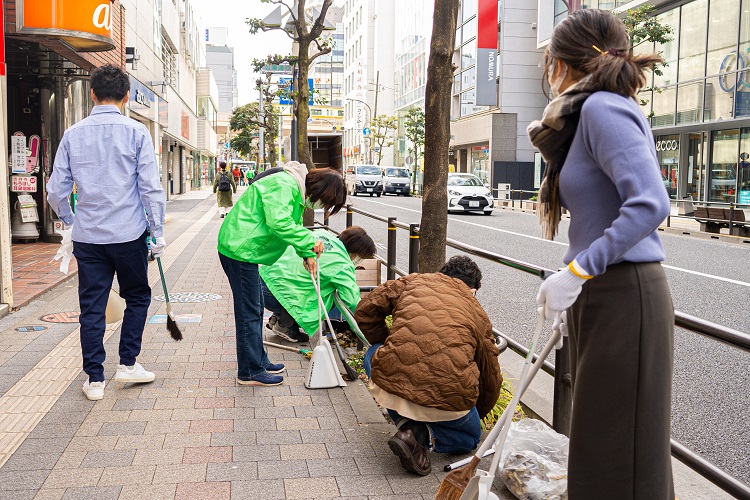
135,374
263,379
272,322
285,333
275,368
94,391
301,336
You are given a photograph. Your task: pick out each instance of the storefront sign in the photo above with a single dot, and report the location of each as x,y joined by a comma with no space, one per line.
86,25
185,122
668,145
142,100
23,183
18,153
744,198
537,170
487,53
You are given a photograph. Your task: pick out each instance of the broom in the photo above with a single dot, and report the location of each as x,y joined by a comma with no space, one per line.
305,352
454,484
174,330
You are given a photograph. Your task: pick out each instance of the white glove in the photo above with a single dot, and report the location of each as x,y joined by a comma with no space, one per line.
65,252
562,327
158,245
559,292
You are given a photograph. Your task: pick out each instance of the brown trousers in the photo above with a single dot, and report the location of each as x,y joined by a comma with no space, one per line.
621,346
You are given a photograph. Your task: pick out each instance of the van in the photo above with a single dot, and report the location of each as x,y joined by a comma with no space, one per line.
365,179
396,180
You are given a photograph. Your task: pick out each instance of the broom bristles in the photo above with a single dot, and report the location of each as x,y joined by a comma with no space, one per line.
454,484
174,330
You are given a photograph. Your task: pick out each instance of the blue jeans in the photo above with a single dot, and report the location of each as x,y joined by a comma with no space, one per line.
97,265
461,435
248,316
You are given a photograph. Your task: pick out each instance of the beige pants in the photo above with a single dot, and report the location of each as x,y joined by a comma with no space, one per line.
621,348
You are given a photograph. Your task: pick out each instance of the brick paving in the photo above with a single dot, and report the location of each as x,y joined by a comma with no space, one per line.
34,271
192,433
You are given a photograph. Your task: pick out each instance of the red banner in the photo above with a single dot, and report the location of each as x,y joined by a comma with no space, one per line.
487,24
2,38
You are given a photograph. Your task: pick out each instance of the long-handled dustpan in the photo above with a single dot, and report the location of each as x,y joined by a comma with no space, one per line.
323,372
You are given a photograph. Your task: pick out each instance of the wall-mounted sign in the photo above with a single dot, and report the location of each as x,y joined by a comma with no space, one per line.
285,85
486,94
85,25
163,113
142,100
185,122
23,183
672,145
18,153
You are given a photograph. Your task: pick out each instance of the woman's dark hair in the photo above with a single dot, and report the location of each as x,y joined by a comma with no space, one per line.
358,242
327,186
109,83
595,42
222,164
464,269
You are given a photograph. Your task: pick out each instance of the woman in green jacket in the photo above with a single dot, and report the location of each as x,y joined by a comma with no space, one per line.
290,295
263,223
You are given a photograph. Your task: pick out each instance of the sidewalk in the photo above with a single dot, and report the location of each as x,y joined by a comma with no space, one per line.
192,433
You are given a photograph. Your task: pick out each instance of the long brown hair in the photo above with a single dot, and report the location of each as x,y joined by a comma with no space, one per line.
595,42
358,242
327,186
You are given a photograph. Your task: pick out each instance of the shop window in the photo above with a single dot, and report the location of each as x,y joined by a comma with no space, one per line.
722,182
719,99
668,50
722,41
668,154
743,168
742,99
690,103
693,40
663,107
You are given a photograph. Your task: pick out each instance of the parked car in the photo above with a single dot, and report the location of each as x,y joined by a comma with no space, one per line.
396,180
365,179
467,193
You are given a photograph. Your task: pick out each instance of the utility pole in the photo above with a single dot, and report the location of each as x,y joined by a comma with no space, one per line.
6,259
377,91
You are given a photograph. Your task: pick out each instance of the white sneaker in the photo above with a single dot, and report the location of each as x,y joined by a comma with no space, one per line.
135,374
94,391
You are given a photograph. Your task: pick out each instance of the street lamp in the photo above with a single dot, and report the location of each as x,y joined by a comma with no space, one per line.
369,138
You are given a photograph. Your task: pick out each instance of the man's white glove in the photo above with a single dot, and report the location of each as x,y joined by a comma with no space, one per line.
562,327
560,291
65,252
158,245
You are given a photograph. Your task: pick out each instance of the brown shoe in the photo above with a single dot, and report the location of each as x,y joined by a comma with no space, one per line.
414,457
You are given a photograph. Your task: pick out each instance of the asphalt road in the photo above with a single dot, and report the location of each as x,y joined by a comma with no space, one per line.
709,279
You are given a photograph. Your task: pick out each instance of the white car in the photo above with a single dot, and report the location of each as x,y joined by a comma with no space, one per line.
467,193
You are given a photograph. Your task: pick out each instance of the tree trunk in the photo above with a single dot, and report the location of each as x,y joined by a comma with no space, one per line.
434,224
303,108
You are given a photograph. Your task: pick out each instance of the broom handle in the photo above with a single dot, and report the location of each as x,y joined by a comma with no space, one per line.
279,346
163,283
495,432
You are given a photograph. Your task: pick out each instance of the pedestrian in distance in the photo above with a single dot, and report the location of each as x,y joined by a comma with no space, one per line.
436,368
602,166
249,176
290,295
267,220
224,187
237,175
111,160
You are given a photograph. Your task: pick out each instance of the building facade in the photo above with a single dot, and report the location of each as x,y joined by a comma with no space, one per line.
369,75
208,115
220,58
700,110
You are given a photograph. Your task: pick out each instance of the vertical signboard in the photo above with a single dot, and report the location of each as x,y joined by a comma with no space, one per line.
487,53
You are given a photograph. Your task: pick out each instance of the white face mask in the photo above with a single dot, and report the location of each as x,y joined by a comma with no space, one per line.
356,260
554,86
318,205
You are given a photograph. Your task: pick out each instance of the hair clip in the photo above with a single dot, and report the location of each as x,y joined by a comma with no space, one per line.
598,49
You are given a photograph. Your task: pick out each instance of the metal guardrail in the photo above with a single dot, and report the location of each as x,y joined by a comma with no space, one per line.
563,393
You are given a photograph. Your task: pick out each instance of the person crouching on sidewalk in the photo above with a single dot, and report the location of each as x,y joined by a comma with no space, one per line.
436,369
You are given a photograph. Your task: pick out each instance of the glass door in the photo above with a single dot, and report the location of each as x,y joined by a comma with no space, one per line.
696,166
722,181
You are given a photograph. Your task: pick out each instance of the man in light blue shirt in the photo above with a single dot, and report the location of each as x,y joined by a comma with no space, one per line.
111,160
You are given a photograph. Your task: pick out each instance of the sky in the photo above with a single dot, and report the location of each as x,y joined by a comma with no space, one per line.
232,14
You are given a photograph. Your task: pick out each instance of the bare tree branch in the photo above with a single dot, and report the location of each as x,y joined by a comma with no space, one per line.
317,28
321,53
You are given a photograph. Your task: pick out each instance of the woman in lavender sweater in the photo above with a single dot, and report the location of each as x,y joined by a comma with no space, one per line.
602,167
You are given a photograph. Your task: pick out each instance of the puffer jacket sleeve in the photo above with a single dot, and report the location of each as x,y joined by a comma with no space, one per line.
490,377
373,309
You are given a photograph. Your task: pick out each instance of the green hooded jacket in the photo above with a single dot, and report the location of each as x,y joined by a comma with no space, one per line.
290,282
265,221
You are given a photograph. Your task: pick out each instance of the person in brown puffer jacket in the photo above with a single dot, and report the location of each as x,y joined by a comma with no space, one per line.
436,369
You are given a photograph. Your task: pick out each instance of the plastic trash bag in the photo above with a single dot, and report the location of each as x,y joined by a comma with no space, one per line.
534,461
65,252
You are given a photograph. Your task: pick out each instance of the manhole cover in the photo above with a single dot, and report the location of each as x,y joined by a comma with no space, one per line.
63,317
189,297
31,328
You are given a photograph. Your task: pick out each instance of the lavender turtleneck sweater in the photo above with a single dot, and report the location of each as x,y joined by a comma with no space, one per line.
612,186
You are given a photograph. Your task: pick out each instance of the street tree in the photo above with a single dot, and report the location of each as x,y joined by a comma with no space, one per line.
383,127
434,223
247,120
414,123
305,28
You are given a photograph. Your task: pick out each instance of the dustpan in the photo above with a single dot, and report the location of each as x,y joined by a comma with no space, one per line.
323,372
480,486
